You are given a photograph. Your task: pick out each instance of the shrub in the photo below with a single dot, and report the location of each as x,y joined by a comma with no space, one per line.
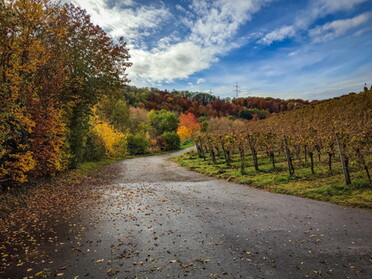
137,144
163,121
113,140
172,139
159,144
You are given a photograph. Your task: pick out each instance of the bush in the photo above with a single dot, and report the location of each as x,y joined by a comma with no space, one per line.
137,144
159,145
113,140
163,121
172,140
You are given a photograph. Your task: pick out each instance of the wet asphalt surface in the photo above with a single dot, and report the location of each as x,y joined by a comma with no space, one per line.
159,220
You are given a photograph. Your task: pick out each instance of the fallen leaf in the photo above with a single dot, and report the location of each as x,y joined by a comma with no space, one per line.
112,271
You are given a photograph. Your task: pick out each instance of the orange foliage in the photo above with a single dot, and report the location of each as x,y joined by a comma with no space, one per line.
190,121
184,132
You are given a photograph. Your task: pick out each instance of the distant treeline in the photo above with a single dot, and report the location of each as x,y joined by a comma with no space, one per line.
204,104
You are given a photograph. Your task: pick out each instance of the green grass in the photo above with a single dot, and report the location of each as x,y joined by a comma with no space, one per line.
187,144
323,185
88,167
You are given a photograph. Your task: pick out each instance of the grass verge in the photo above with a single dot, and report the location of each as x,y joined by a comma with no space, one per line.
325,185
187,144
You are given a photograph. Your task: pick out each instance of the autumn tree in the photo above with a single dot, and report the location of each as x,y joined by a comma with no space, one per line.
31,80
188,126
54,66
96,67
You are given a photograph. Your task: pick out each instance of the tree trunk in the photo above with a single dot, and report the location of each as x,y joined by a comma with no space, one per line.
367,171
318,149
363,161
199,149
330,155
254,156
228,158
224,153
311,155
218,151
272,156
288,155
344,160
211,151
241,152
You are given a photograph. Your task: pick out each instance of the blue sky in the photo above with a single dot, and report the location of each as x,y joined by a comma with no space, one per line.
310,49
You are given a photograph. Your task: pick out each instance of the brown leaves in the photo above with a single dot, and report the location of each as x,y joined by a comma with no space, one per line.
112,271
36,219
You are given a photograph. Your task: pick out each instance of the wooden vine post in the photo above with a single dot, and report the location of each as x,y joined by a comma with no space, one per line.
344,160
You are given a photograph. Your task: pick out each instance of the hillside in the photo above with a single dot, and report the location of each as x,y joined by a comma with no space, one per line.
321,151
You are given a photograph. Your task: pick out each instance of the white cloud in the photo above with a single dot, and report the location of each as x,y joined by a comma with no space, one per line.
200,81
218,21
211,27
337,28
293,53
317,9
133,23
178,61
180,8
279,34
331,6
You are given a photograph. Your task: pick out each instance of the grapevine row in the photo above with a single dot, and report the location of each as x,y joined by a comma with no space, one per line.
340,127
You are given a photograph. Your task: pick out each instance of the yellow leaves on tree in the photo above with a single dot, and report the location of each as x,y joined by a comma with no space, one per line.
113,140
30,140
188,126
184,132
18,166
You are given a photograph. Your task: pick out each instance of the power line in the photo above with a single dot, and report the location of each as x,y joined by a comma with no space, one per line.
237,90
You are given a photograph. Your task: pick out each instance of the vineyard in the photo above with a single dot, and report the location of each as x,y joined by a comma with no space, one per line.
329,143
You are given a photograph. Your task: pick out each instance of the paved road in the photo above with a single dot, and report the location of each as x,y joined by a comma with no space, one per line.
158,220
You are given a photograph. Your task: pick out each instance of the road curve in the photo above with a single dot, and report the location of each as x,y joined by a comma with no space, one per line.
159,220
